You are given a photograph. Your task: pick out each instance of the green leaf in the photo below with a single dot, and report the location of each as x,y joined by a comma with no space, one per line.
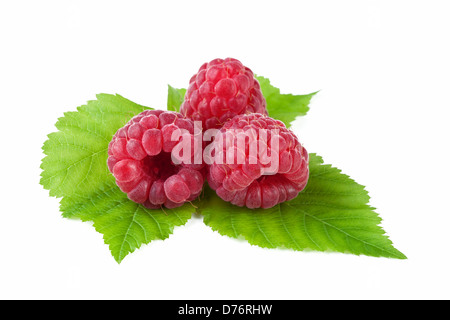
125,225
284,107
174,98
76,155
331,214
75,170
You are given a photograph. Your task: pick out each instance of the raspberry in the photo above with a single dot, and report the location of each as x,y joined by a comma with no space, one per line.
246,177
139,157
222,89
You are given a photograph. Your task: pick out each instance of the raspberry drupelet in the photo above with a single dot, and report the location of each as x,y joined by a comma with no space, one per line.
252,182
220,90
139,157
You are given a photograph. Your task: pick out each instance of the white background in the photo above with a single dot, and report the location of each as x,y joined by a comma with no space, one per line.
381,116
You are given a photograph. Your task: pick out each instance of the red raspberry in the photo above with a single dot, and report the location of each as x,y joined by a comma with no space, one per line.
222,89
243,178
140,160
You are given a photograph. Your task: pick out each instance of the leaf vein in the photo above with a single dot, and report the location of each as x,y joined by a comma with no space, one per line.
287,230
